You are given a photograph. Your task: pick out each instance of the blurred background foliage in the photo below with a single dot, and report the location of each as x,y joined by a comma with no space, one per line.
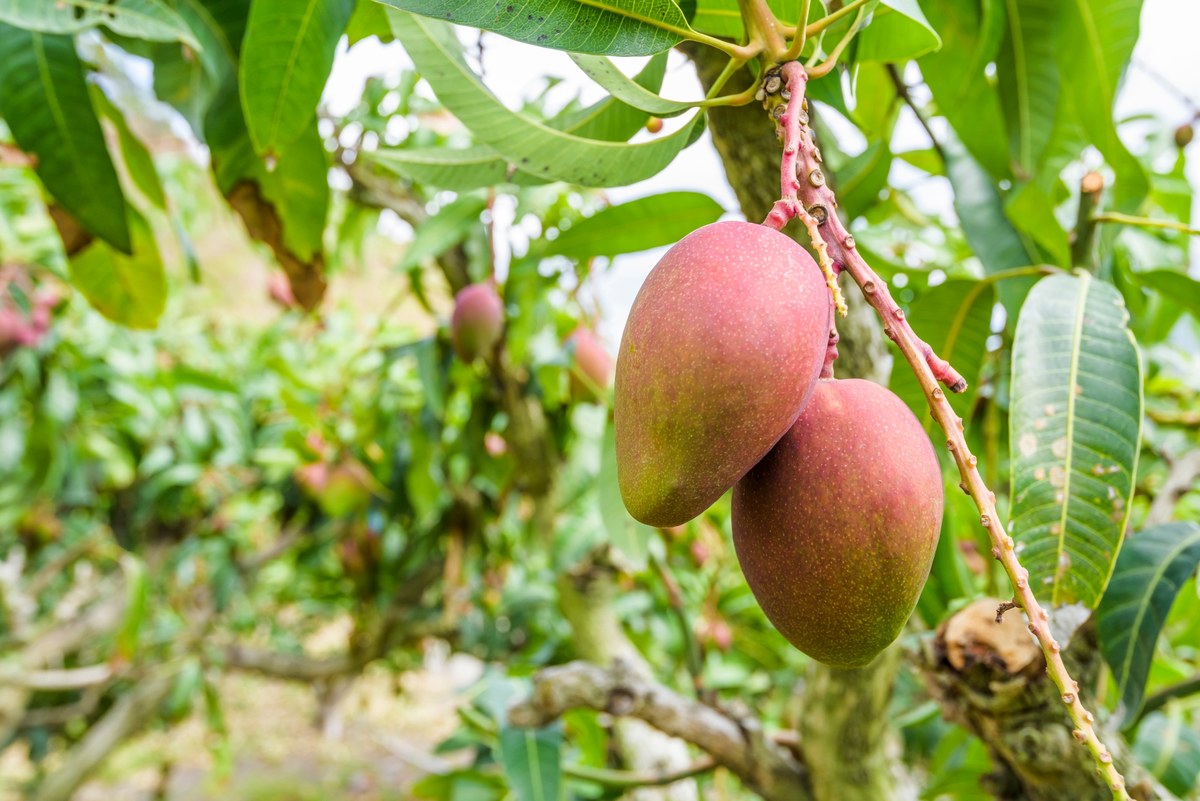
201,482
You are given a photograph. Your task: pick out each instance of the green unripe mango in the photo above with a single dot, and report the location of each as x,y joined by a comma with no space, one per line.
836,527
722,347
477,321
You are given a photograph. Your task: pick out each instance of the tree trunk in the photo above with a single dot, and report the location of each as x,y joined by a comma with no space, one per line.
991,679
586,597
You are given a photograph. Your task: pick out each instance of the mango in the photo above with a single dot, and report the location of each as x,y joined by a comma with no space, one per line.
591,366
722,347
836,527
477,321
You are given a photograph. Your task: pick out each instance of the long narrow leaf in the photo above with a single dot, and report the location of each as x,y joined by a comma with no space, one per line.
44,99
1076,414
1153,567
285,60
641,224
152,20
626,89
534,147
600,27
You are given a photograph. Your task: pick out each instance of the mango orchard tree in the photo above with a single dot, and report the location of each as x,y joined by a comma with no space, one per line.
1008,612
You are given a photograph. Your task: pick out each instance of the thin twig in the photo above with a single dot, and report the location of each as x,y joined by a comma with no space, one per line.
800,36
816,195
1144,222
632,779
831,61
903,93
1084,235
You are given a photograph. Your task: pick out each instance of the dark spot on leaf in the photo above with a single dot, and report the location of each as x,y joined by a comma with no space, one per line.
528,16
542,37
509,9
541,19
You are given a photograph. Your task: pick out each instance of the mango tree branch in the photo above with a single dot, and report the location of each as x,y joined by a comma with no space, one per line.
738,745
817,200
615,779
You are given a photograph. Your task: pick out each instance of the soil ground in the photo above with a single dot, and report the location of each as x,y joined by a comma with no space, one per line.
390,726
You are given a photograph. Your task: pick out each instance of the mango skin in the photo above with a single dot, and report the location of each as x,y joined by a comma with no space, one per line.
722,347
836,528
477,321
592,368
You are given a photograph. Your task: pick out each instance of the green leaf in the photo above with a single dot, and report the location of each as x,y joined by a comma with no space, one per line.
927,159
44,99
861,179
152,20
369,19
609,118
627,535
1075,428
719,18
1170,749
627,89
981,212
444,230
298,188
533,146
1174,286
461,785
1095,41
723,18
949,578
1028,78
641,224
897,36
955,319
138,162
137,602
961,91
532,760
460,170
127,289
1031,210
598,27
478,166
1153,567
285,59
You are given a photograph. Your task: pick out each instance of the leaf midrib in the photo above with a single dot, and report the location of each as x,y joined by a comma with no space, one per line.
1023,123
52,99
277,112
1076,339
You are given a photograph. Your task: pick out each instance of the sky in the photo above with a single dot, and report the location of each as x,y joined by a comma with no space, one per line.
1163,79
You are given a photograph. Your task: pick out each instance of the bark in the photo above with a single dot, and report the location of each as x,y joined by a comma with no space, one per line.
991,679
737,744
586,597
848,745
129,714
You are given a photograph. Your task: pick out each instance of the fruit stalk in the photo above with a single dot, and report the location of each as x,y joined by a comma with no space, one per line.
810,197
